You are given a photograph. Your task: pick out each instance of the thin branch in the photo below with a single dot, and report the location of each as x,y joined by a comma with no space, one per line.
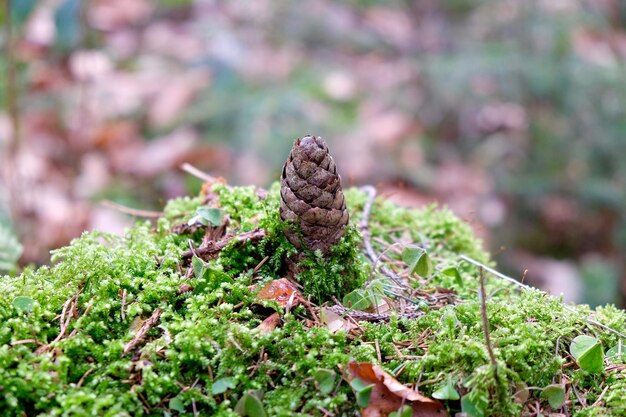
130,210
519,284
496,273
143,330
123,312
485,320
192,170
599,400
213,248
364,226
371,317
82,378
26,341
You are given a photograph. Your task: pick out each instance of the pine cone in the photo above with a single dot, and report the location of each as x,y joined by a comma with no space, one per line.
311,197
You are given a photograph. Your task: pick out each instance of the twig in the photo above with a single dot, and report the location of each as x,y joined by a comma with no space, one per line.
519,284
69,310
325,411
369,250
131,211
483,315
192,170
597,402
496,273
26,341
212,248
141,333
82,378
260,264
123,312
371,317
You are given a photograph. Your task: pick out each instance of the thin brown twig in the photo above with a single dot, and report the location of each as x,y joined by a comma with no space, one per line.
26,341
357,315
192,170
213,248
364,226
123,312
483,315
325,411
68,311
131,211
82,378
597,402
141,333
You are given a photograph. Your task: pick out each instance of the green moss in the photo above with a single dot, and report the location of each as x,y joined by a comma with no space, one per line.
106,286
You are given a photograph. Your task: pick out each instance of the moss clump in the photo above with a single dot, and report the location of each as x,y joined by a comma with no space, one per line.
65,328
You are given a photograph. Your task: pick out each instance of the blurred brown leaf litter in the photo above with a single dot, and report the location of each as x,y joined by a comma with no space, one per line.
510,112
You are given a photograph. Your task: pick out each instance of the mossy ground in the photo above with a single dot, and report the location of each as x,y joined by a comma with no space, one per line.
206,351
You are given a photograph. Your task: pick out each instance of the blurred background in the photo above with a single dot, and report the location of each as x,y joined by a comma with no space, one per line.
511,112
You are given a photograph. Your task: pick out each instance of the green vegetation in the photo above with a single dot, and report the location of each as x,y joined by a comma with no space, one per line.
69,340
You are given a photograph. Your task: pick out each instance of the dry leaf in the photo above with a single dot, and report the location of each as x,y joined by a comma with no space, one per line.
333,321
388,394
280,290
269,323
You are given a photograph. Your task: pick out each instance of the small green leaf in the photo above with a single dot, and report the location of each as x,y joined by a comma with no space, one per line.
454,273
404,411
325,380
418,261
221,385
250,405
206,215
588,353
555,394
23,303
474,406
357,300
362,391
177,405
363,396
410,255
617,354
424,266
447,392
358,385
198,266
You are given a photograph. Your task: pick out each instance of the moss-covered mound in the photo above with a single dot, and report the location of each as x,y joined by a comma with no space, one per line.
135,326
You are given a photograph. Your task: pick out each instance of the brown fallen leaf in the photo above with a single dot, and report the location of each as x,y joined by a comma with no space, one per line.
389,395
269,323
282,291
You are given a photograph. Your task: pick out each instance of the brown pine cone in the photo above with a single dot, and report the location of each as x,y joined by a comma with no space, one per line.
311,197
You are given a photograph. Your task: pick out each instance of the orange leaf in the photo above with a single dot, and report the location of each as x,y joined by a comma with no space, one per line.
281,290
388,394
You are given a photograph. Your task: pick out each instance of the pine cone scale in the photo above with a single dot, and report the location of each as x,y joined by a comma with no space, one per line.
294,203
